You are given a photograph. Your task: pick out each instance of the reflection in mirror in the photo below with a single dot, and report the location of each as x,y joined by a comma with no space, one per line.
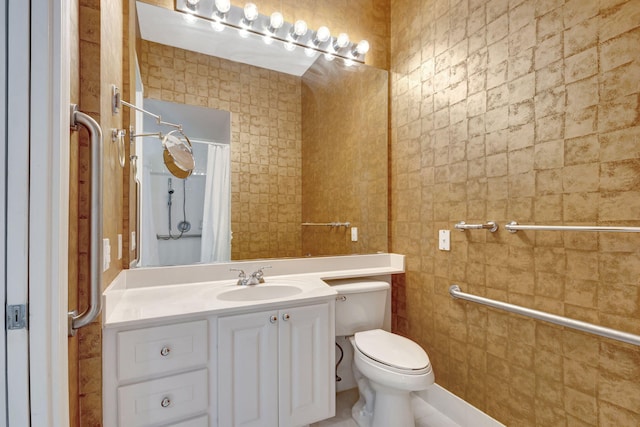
185,221
306,148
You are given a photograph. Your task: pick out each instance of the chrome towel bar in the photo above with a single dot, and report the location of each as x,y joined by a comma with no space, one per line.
513,227
77,321
455,292
489,225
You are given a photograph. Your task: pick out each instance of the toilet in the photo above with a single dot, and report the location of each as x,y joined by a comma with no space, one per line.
387,367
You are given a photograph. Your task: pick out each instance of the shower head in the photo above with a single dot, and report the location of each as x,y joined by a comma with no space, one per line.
178,154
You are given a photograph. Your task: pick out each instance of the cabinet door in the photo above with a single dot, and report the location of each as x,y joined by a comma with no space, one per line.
306,350
247,370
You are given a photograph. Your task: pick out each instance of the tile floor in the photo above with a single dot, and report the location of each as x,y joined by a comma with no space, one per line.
426,415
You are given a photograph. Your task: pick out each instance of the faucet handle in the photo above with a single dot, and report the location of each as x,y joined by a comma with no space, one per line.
242,274
259,274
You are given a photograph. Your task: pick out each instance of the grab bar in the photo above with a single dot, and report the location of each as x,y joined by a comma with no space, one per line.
489,225
455,292
513,227
77,321
328,224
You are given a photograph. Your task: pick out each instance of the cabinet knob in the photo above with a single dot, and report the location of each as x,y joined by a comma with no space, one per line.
273,319
286,316
165,402
165,351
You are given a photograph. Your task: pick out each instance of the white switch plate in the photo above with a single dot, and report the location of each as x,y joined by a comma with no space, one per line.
133,240
354,234
119,246
444,240
106,254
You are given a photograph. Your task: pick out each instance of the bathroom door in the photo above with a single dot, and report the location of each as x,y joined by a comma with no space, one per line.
3,129
14,181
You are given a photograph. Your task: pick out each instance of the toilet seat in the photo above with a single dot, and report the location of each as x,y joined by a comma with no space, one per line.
393,352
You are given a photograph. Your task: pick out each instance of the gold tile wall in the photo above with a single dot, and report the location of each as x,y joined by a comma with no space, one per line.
266,142
529,111
344,158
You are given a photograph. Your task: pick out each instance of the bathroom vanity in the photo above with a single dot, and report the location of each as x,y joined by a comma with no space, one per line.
180,350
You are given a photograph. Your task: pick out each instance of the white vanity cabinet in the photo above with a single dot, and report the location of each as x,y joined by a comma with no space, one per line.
276,367
158,376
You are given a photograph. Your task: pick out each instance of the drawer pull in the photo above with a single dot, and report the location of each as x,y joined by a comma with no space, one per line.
165,402
286,316
165,351
273,319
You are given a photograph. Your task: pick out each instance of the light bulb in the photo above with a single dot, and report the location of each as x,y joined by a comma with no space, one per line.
322,35
289,46
192,3
362,48
299,29
275,22
250,12
341,41
309,52
267,39
223,6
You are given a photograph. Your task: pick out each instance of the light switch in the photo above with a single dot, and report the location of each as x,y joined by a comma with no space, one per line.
354,234
133,240
444,240
119,246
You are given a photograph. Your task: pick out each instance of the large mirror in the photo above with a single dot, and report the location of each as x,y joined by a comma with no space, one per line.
307,152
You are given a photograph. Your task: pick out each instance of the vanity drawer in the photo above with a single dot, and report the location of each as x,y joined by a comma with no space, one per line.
162,401
150,351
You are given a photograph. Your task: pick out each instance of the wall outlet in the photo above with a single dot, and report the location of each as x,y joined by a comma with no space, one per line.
444,240
354,234
119,246
106,254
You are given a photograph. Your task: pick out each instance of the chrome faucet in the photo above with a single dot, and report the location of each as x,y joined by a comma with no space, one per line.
254,278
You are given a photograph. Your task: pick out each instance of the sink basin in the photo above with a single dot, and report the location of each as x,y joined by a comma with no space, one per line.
259,292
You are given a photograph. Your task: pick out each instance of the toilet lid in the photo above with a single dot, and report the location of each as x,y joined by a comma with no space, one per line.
391,349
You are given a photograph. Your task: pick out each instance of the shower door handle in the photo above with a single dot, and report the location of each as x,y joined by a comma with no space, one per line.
77,321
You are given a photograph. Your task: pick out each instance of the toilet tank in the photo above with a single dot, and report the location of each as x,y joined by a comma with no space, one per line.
360,304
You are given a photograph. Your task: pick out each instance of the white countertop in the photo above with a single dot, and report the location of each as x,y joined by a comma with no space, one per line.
146,294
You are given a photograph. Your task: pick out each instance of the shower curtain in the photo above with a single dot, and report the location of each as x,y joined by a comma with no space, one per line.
148,240
216,221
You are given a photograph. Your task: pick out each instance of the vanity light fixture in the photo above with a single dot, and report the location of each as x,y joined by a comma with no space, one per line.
271,28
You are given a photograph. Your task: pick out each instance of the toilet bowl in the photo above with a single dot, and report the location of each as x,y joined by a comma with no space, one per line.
387,367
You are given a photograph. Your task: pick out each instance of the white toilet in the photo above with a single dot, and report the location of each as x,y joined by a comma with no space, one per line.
386,366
